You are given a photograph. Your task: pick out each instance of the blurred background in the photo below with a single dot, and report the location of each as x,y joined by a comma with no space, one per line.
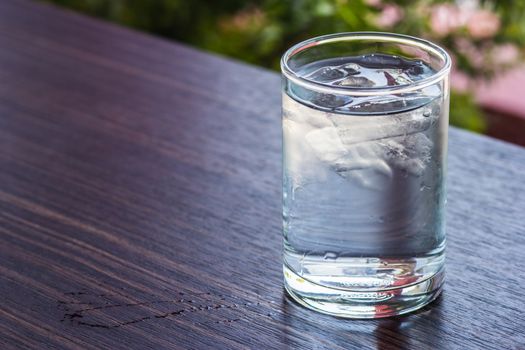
485,38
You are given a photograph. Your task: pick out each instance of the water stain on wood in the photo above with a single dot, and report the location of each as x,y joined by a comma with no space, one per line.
83,308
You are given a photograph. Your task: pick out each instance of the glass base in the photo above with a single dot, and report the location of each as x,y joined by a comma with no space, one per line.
376,303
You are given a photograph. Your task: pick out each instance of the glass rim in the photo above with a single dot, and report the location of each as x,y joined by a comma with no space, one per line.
412,41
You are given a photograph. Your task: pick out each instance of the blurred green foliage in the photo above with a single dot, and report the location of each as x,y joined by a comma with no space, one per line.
483,36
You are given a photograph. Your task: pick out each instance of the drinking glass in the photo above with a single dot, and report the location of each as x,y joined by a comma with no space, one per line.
365,122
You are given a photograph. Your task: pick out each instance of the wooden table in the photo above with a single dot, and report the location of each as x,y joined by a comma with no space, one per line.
140,206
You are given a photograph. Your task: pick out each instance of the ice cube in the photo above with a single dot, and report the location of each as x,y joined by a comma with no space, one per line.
326,144
330,101
365,165
362,162
356,81
351,68
389,104
303,114
397,77
302,164
327,74
416,70
410,153
415,166
418,145
363,156
381,61
371,163
380,127
367,177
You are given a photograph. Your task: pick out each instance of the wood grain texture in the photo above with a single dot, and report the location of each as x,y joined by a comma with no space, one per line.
140,206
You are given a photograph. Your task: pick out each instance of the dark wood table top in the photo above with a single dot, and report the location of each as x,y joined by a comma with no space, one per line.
140,206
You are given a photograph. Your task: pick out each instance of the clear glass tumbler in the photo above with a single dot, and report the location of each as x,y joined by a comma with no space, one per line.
365,121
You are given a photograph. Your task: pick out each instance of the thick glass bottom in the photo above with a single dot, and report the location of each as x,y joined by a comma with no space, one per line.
370,303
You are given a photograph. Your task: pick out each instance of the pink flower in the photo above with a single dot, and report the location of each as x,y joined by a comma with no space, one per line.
445,18
390,16
483,24
244,20
473,54
505,54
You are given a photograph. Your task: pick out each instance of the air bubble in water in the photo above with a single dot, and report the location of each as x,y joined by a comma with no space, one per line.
330,256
